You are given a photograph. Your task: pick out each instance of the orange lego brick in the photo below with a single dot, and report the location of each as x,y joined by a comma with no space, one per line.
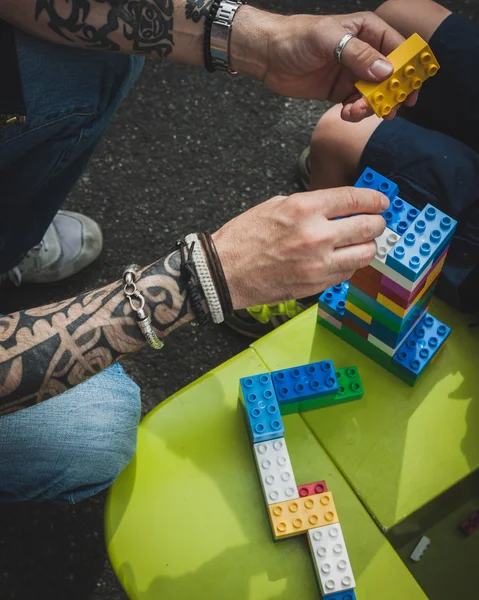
413,62
295,517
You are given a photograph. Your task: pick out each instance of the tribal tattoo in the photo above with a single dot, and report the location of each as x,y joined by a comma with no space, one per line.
145,24
46,351
197,9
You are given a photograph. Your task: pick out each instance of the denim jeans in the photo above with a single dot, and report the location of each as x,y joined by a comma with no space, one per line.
70,95
74,445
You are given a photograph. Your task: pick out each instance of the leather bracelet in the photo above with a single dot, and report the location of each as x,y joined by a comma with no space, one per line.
192,283
207,35
218,273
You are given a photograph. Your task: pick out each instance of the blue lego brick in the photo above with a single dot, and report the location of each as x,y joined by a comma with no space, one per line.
305,382
423,240
421,345
344,595
374,181
333,300
400,215
261,407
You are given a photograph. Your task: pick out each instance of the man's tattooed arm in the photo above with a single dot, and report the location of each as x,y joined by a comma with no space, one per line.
46,351
157,28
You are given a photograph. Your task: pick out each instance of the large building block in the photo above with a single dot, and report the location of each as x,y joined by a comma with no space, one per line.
413,63
306,381
333,300
295,517
261,407
327,317
275,471
372,180
400,215
421,345
310,489
330,559
384,244
350,385
422,243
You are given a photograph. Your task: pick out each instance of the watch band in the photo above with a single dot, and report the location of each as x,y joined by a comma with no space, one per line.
221,34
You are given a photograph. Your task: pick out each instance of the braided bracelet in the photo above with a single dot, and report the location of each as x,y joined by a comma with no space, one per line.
137,303
204,275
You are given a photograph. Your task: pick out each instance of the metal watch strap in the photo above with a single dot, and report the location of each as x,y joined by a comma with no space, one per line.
221,34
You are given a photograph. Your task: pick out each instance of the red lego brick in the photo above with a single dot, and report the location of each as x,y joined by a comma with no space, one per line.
471,524
356,328
309,489
367,286
369,273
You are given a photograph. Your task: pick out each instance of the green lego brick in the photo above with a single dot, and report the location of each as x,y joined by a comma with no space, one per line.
289,409
350,385
376,314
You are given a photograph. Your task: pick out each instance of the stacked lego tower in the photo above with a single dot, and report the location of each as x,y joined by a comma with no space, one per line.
382,311
308,509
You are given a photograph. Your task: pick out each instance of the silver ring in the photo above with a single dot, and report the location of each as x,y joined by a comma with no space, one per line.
338,51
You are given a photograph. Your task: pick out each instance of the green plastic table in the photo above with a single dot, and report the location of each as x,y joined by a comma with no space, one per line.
399,447
186,520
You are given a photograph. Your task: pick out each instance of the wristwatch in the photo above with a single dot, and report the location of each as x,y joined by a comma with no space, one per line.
221,34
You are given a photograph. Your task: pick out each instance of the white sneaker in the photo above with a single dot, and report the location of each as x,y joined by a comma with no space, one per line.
71,243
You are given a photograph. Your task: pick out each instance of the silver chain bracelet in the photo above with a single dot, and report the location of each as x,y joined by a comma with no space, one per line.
137,303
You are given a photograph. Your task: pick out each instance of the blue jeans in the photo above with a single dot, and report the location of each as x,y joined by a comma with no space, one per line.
70,95
72,446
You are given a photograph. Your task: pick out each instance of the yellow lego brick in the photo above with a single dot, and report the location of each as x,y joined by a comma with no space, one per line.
359,313
295,517
413,62
399,310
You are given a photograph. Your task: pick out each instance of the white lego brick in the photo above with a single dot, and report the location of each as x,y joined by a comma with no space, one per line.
275,471
324,315
420,549
384,243
330,558
382,346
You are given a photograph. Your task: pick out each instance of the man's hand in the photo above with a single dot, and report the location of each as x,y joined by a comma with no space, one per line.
291,247
298,56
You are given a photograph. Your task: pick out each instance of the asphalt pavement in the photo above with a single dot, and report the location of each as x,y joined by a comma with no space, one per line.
186,152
